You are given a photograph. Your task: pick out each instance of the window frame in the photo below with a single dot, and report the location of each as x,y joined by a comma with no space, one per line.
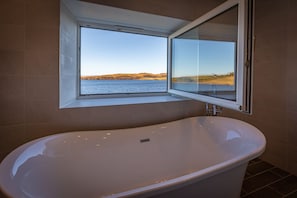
76,13
116,28
244,56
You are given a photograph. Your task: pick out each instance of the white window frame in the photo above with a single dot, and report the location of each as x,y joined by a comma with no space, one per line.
116,28
243,65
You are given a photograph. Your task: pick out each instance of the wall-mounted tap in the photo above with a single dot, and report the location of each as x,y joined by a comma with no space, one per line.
213,110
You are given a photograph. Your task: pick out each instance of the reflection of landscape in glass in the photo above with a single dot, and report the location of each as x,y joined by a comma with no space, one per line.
212,61
223,79
204,58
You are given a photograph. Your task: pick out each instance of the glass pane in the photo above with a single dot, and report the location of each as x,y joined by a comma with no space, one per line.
122,63
204,58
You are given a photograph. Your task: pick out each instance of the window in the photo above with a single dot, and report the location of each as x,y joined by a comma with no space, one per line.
210,58
116,62
128,53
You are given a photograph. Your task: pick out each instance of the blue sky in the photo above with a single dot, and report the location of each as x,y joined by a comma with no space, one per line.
206,57
109,52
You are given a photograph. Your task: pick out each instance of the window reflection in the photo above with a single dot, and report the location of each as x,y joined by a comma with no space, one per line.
204,58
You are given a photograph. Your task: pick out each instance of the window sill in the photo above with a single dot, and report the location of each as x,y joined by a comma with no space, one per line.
99,102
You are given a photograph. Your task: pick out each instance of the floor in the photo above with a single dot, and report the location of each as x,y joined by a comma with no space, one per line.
263,180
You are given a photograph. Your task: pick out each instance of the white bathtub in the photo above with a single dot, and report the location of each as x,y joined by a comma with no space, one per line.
193,157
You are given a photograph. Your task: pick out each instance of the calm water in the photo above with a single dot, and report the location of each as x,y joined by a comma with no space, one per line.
152,86
122,86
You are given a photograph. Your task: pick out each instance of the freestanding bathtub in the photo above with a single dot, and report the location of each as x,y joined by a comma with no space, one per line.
195,157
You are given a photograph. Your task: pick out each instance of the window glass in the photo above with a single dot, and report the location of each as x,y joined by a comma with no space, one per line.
204,58
113,62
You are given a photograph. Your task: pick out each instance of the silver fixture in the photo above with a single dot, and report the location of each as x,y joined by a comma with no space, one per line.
212,109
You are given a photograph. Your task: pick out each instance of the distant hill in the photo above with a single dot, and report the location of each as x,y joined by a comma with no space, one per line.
224,79
138,76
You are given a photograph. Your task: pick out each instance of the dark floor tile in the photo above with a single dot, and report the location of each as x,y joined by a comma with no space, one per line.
259,181
293,195
243,193
258,167
286,185
254,161
247,174
279,172
264,193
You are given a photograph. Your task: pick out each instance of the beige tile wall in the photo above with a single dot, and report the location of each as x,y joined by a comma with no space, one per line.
29,48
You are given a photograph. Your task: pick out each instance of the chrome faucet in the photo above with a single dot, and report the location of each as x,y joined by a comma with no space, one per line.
213,110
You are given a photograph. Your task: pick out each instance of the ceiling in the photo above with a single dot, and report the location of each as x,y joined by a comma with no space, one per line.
182,9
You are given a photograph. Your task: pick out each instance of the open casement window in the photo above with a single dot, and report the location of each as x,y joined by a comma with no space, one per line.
210,58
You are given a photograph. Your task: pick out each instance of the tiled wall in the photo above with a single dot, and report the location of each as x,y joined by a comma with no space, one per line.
29,82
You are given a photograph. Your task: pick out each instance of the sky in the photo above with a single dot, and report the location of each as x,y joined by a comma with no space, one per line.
110,52
204,56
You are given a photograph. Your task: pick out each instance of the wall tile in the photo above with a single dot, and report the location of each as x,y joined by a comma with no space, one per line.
292,129
12,111
42,38
291,69
43,13
12,12
121,116
12,37
42,88
40,111
39,130
12,87
64,119
292,160
11,137
268,99
12,62
276,154
41,63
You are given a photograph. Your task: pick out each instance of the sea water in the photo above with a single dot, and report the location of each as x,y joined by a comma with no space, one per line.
122,86
89,87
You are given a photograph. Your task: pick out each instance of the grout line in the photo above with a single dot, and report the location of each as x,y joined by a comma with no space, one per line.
290,193
260,173
255,162
267,185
